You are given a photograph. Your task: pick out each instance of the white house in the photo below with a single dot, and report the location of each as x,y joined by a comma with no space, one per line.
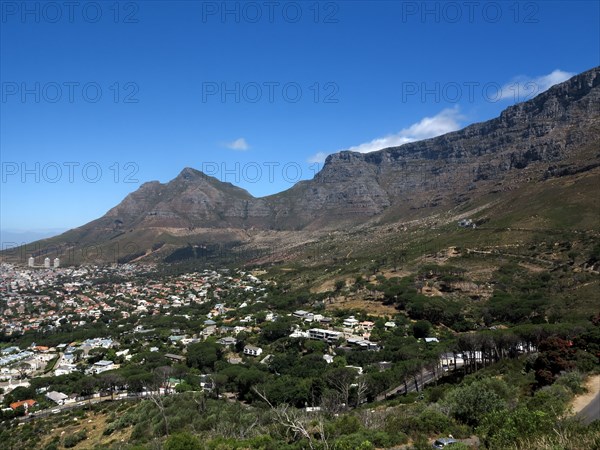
252,350
227,341
57,397
64,369
300,313
328,336
298,333
350,322
363,344
102,366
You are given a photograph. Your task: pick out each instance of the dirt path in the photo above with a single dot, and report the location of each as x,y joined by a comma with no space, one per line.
593,388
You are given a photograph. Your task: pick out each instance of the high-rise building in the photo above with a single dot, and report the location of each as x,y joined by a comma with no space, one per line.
31,261
47,263
56,263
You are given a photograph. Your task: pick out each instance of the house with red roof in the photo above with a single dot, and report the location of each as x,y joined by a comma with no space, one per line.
25,403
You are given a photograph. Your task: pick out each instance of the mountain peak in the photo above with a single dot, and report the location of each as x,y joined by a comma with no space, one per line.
189,173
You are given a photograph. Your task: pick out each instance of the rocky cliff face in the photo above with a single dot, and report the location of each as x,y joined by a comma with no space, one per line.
528,142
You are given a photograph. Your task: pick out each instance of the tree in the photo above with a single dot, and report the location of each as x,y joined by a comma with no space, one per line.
203,355
362,387
554,357
23,370
111,380
182,441
421,329
470,403
278,329
19,394
502,428
341,379
160,377
297,424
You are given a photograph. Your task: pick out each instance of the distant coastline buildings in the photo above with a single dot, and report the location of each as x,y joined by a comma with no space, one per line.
47,263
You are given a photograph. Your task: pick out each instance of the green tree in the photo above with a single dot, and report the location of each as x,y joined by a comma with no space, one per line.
203,355
502,428
182,441
273,331
19,394
470,403
421,329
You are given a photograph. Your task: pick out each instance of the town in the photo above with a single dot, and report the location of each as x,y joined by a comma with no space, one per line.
95,319
78,337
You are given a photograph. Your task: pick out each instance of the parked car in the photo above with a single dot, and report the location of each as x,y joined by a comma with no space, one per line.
444,442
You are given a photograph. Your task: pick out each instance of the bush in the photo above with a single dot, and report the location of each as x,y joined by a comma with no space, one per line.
421,329
501,429
381,439
469,403
573,381
74,439
435,393
346,424
51,446
182,441
355,441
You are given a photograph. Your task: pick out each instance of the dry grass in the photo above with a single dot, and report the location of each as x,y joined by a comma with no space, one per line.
94,424
372,307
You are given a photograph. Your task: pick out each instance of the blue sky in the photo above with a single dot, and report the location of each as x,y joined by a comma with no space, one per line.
97,99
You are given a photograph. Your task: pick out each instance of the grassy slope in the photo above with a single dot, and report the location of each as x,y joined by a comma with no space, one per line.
537,226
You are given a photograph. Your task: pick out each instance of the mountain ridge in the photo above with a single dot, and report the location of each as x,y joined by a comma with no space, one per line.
553,133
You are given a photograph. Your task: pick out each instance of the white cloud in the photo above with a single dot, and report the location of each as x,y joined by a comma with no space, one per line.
239,144
444,122
520,89
524,88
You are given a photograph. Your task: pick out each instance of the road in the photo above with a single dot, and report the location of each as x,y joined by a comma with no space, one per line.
428,377
587,406
591,412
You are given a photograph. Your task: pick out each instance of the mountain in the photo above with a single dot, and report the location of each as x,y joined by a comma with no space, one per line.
554,135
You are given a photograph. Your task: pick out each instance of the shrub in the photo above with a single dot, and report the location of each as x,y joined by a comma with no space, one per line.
381,439
500,429
347,424
573,381
355,441
182,441
74,439
471,402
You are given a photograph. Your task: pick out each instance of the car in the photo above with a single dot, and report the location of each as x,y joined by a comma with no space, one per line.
55,411
444,442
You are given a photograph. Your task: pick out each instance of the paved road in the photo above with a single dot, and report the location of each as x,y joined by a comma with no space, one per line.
428,377
591,412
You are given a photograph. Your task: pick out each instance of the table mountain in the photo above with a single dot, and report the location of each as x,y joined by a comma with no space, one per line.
555,134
